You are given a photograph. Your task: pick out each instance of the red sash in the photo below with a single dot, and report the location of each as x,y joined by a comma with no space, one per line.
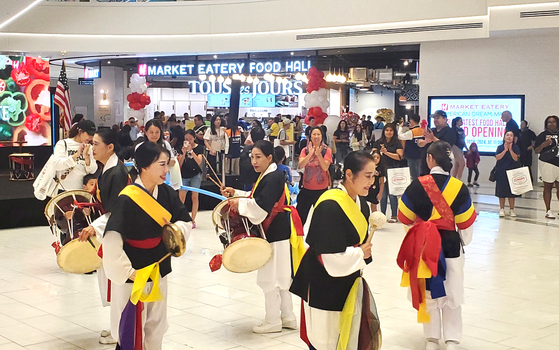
446,221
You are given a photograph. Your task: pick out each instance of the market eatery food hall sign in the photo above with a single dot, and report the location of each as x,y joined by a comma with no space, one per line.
224,68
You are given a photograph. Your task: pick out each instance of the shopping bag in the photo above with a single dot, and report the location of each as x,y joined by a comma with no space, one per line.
398,180
519,180
45,184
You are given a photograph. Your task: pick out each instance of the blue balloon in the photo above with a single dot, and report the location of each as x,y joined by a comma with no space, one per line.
201,191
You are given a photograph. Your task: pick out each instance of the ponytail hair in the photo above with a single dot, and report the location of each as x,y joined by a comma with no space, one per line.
442,154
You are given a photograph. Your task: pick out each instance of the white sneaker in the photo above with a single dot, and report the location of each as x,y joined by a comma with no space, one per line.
549,215
512,214
502,213
267,328
107,340
432,346
451,345
105,333
289,322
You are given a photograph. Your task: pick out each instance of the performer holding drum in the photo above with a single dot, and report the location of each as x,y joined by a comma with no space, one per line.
338,308
133,248
267,204
111,181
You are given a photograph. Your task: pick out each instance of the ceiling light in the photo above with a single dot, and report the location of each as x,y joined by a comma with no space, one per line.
292,53
384,49
406,63
215,56
256,80
108,62
278,80
249,79
228,81
20,13
211,78
408,106
242,77
155,59
220,79
202,77
285,81
299,76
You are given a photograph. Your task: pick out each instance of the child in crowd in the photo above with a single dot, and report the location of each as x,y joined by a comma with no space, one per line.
279,153
472,160
90,182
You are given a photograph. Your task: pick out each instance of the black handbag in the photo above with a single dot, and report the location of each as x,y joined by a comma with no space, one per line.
492,175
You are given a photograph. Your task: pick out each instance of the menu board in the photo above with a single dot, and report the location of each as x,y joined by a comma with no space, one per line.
25,100
246,101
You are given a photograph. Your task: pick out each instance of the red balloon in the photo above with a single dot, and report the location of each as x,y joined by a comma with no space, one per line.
129,98
312,71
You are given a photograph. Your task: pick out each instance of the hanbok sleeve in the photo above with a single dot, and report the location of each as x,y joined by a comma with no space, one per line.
465,213
61,159
266,195
344,264
92,168
406,208
115,261
327,229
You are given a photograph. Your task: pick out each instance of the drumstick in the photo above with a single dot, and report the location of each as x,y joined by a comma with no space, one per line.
371,233
215,182
213,171
91,242
163,258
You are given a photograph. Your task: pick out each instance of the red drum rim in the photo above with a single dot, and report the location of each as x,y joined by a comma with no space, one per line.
49,208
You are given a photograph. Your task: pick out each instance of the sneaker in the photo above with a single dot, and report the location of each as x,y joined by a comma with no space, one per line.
289,323
392,220
267,328
476,184
502,213
512,214
105,333
432,346
470,185
549,215
450,345
193,224
107,340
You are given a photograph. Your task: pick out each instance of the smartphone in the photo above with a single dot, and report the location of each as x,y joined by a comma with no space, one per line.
185,144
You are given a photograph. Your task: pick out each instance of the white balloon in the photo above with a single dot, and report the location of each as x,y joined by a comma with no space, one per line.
144,87
322,92
331,124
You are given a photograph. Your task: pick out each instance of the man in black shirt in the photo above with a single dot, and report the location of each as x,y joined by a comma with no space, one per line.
177,134
199,129
511,125
441,131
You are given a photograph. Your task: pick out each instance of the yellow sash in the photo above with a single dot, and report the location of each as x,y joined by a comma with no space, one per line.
353,212
156,211
350,208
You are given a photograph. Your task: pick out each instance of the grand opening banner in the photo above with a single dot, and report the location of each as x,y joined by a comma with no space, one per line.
25,113
481,116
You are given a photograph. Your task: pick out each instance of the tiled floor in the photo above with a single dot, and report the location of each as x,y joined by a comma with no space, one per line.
512,287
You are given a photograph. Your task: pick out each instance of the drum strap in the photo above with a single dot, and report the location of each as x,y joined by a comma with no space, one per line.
22,161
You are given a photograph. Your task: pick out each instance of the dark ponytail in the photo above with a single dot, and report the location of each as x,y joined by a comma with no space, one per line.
109,137
441,153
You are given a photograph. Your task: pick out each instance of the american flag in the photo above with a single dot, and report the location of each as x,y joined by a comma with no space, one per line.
62,99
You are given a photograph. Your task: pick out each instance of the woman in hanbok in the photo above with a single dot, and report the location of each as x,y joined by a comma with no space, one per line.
268,204
432,256
112,179
132,249
338,308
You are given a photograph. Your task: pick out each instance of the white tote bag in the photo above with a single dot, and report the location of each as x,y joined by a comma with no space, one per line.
519,180
398,180
45,184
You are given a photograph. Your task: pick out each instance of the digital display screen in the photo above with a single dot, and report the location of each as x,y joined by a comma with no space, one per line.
287,101
25,100
264,101
481,116
246,101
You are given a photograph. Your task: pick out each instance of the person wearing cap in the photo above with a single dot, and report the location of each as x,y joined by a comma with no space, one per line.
441,131
73,156
283,139
379,124
133,122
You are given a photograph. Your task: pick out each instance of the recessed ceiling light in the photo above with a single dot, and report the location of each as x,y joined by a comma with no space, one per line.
108,62
215,56
155,59
292,53
384,49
